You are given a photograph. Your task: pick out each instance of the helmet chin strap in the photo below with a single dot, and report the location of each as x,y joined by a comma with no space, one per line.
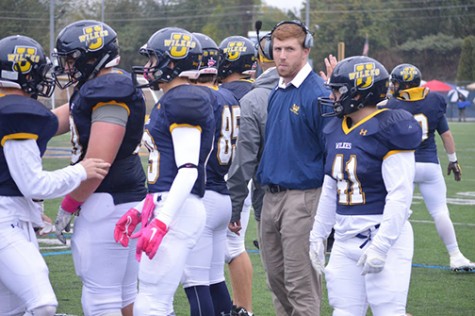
98,66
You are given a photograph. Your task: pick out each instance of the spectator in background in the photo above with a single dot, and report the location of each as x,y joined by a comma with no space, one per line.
462,104
291,169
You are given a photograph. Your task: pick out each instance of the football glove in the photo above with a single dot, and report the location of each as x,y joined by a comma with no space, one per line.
372,260
317,255
150,238
455,167
126,225
62,222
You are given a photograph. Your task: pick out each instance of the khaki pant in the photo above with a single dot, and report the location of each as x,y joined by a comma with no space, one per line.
286,221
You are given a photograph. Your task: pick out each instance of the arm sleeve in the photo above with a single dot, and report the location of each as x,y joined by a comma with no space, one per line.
326,211
398,173
25,166
245,161
186,142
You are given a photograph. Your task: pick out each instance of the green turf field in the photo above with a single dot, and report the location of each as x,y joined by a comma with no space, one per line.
435,290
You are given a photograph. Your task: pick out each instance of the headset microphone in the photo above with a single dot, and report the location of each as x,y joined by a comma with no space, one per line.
258,26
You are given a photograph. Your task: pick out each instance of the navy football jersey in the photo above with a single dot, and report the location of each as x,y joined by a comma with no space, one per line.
355,156
22,118
430,113
226,114
239,87
126,178
181,105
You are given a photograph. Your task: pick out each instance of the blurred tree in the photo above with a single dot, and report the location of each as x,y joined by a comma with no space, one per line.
428,33
466,67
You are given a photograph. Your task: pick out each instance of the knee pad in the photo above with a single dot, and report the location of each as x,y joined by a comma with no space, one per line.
47,310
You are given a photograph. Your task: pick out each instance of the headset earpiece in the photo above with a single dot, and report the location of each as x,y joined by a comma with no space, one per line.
307,43
267,49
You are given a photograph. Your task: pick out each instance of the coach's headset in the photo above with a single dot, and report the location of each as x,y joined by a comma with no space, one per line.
267,49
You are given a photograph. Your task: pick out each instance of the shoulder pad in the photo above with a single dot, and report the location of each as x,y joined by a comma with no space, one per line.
113,86
438,100
332,125
20,114
239,87
188,104
400,130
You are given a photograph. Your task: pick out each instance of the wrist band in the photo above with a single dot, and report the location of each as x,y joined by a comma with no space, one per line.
452,157
70,205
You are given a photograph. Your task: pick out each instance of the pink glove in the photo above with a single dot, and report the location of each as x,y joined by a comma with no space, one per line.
125,226
150,238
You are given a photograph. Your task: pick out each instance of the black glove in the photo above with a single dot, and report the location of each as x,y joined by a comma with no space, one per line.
455,167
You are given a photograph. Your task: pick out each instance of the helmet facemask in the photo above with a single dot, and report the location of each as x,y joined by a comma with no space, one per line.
349,101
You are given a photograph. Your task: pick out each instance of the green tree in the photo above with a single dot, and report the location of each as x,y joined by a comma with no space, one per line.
466,68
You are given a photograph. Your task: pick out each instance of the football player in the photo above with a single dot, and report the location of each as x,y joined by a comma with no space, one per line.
179,137
429,110
203,278
105,116
236,66
26,126
366,194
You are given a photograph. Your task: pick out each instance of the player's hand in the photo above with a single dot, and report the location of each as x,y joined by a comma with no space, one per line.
317,255
150,238
62,222
95,168
235,227
330,63
126,225
455,168
48,226
372,260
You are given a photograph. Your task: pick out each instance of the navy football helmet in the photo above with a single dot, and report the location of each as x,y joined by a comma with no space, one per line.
360,81
83,48
23,65
404,76
210,60
171,52
237,54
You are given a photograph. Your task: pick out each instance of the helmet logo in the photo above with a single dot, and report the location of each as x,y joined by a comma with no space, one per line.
408,73
93,37
22,58
234,49
364,75
179,44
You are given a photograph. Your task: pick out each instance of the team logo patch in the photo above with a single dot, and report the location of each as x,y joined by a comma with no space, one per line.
295,109
179,44
364,75
93,37
23,57
408,73
234,49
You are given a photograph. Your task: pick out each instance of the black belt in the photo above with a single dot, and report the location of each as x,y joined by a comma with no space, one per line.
367,237
275,188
